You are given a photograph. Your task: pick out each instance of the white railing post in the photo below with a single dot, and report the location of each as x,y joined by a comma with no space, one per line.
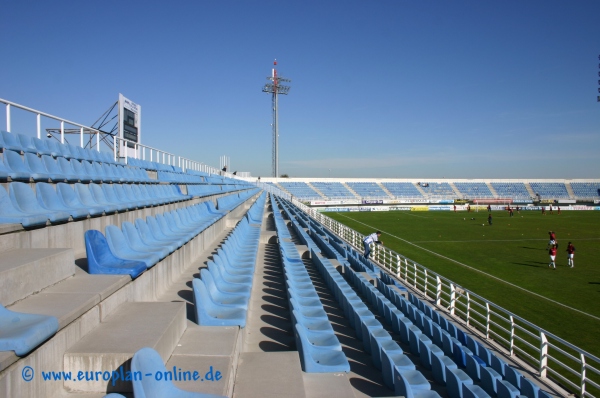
583,376
39,126
468,311
511,343
487,320
452,298
81,137
98,141
543,354
425,277
438,293
8,118
398,267
62,132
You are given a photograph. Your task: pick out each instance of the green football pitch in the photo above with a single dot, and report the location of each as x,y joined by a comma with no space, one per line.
507,262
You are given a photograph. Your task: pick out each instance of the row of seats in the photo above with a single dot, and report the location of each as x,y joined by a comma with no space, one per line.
439,343
222,294
46,168
319,348
26,144
368,189
133,248
65,202
333,190
178,178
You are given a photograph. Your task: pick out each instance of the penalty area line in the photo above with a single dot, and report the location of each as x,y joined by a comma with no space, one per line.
480,271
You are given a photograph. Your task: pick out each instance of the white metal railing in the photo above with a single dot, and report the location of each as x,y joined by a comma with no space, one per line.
141,151
82,129
550,355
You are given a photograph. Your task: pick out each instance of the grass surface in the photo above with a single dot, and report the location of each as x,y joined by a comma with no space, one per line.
512,250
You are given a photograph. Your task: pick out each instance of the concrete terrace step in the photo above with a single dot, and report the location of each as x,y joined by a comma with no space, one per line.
27,271
114,342
269,374
213,352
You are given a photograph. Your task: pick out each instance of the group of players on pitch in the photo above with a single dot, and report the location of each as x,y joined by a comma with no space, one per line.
553,247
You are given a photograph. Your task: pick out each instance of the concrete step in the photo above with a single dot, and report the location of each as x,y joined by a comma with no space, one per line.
269,374
112,344
27,271
212,352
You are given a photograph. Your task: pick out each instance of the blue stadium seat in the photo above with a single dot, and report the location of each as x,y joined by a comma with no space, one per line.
238,300
134,240
50,199
53,168
148,361
529,388
101,260
411,383
14,167
210,314
440,365
27,145
506,390
10,141
11,214
21,332
70,198
119,246
455,380
24,199
489,380
474,391
99,196
37,166
85,196
391,360
315,359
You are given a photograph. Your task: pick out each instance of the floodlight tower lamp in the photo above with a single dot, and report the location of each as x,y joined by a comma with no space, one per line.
275,88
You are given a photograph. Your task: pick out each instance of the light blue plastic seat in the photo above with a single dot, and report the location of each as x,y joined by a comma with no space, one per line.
529,388
489,380
48,198
378,337
80,171
513,376
53,168
473,368
427,350
37,167
123,196
24,199
321,339
119,247
439,366
210,314
67,169
71,199
85,196
241,284
147,361
319,360
100,198
10,141
474,391
315,325
460,353
506,390
11,214
150,239
91,172
394,359
455,379
135,241
414,334
14,167
27,145
498,365
410,383
21,332
101,260
222,298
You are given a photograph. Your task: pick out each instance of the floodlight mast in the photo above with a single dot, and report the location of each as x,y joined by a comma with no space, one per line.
275,88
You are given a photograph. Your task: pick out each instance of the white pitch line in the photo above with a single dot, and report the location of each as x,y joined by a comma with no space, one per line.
480,271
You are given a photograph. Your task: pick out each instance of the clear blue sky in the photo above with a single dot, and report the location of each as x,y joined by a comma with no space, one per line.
390,88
